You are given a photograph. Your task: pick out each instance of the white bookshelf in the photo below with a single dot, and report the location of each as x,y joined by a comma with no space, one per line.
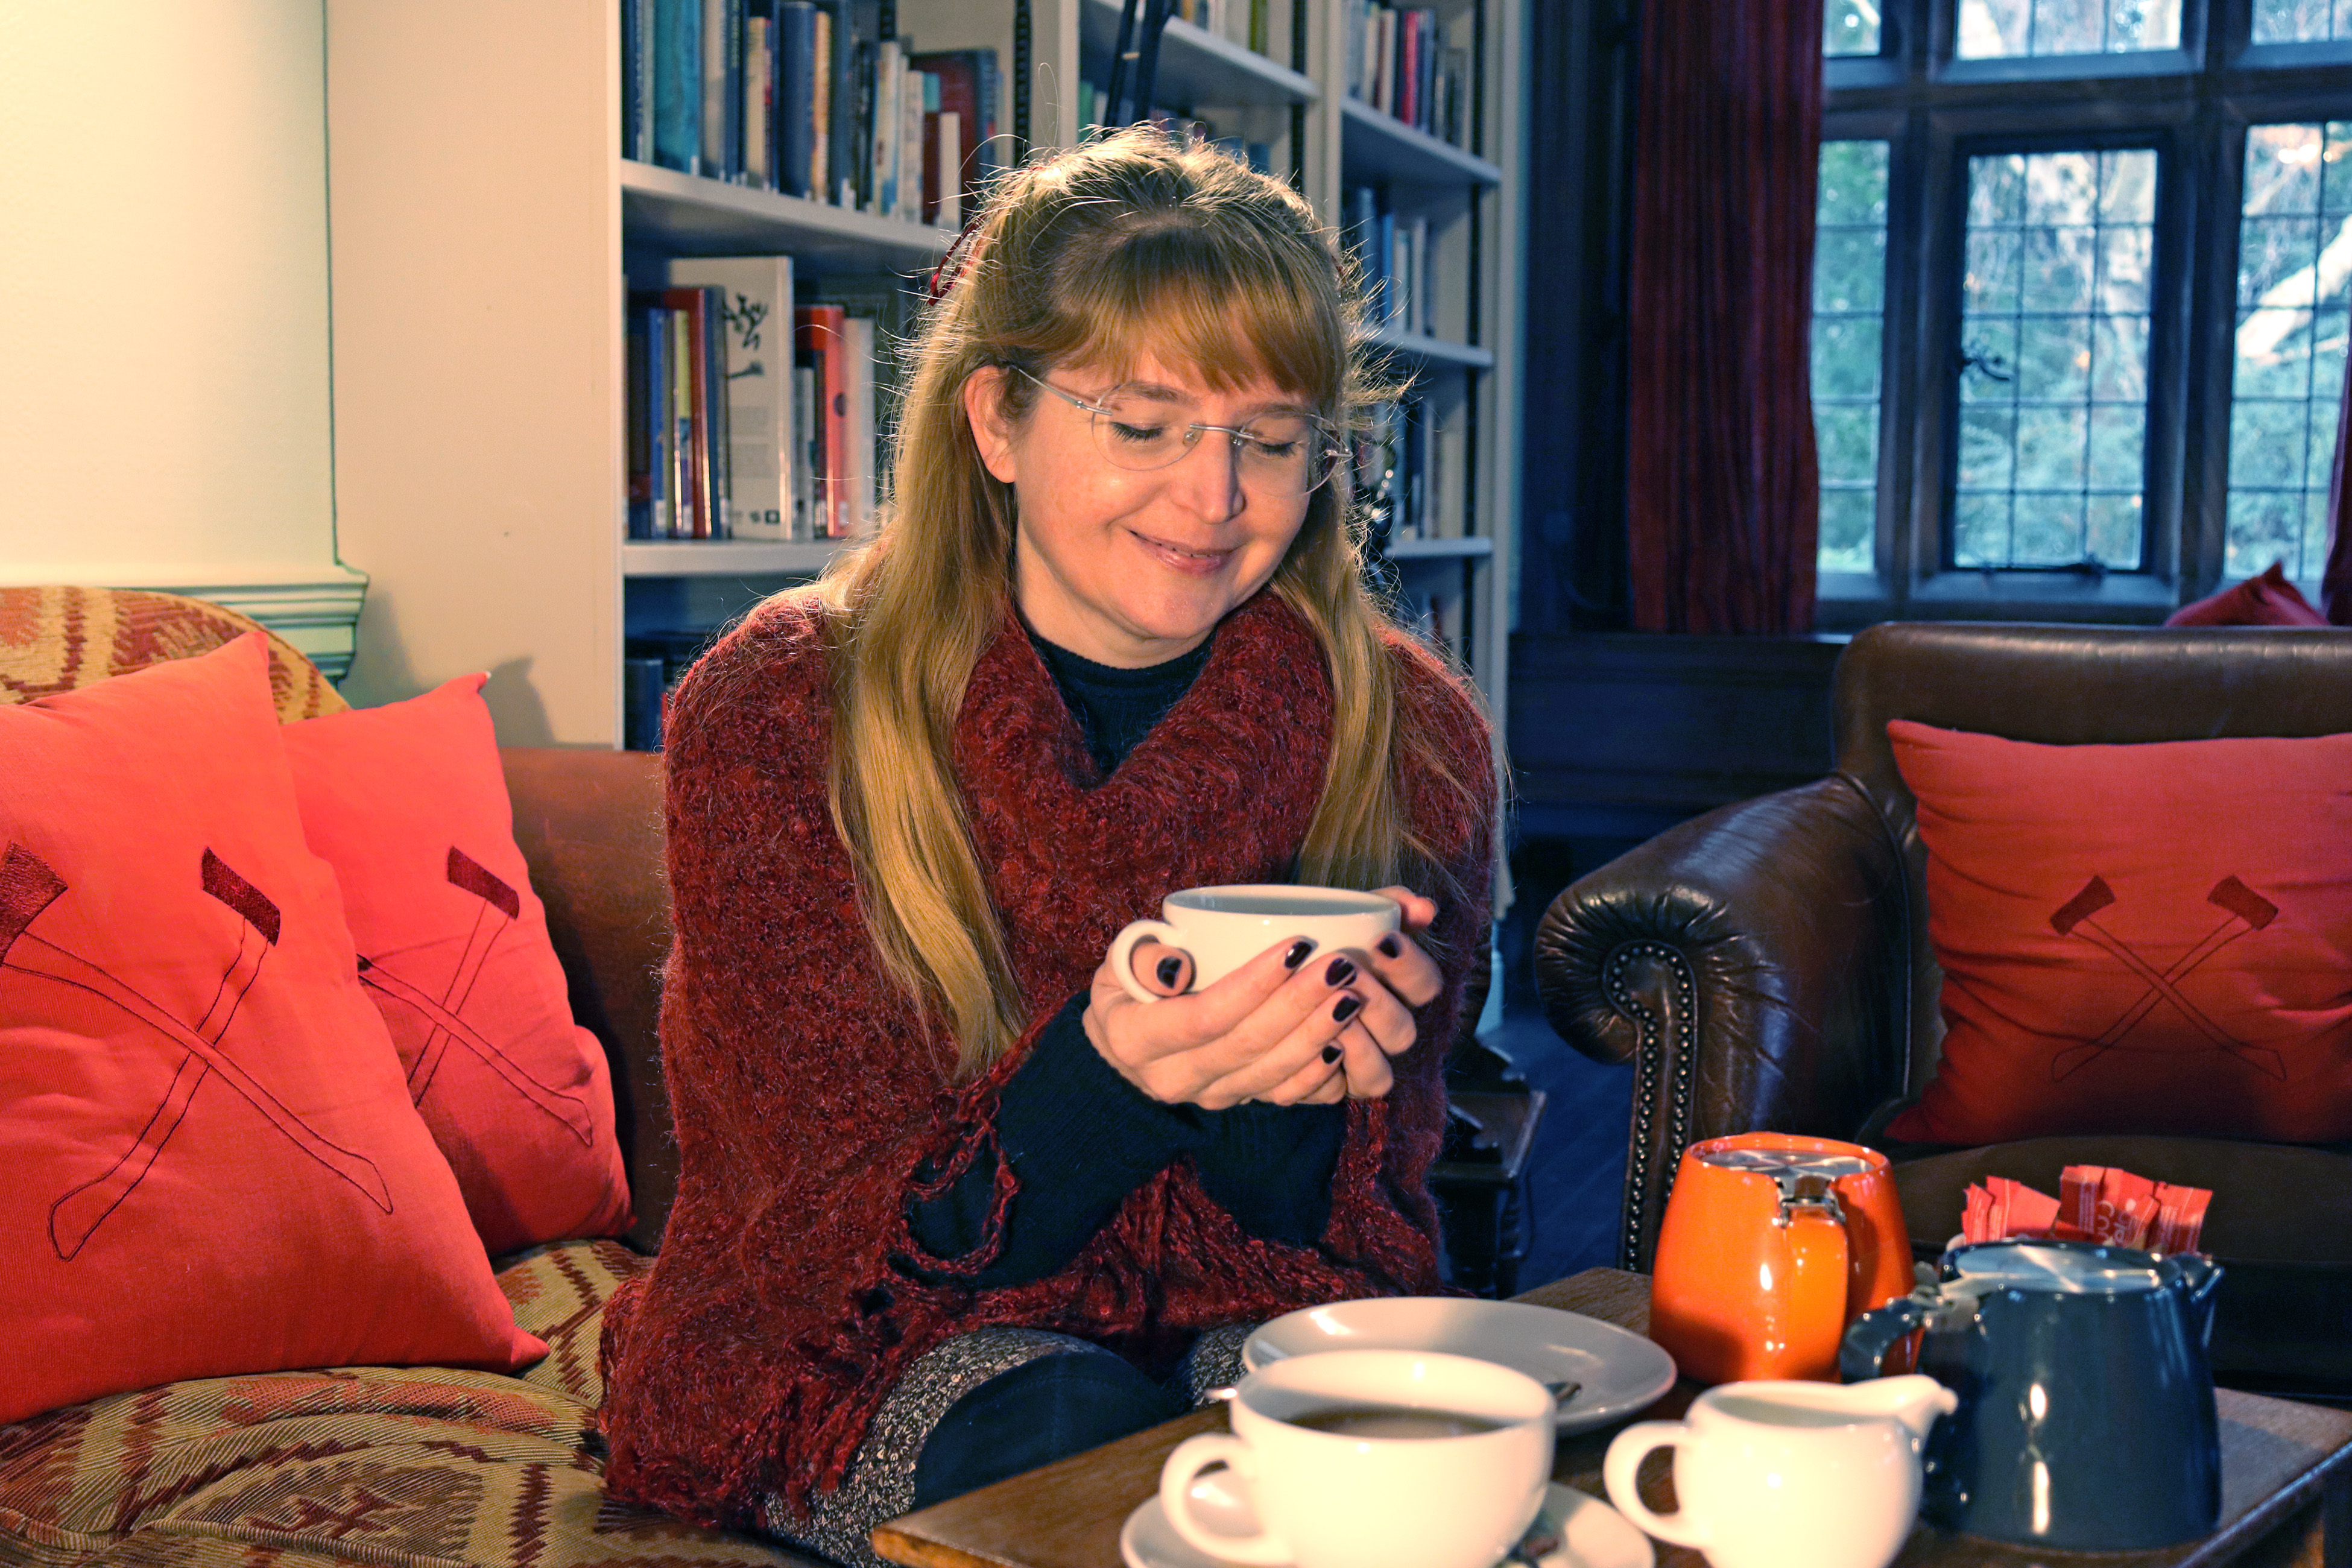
484,228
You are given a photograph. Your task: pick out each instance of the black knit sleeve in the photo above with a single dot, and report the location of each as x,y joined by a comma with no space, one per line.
1270,1168
1078,1137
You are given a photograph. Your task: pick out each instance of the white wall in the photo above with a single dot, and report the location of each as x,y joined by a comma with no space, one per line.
165,406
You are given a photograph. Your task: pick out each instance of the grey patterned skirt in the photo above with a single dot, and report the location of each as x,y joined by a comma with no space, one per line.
880,1484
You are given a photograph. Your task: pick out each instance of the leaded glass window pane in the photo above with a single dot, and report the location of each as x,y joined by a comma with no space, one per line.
1849,324
2054,309
1850,27
2302,21
2295,262
1993,29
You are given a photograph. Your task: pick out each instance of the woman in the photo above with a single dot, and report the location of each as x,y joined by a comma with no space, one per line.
951,1202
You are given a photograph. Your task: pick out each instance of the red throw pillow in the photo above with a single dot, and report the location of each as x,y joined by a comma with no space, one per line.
409,805
2266,600
213,1166
2137,939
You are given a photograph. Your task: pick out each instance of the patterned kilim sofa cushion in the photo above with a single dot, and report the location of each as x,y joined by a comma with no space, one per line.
388,1466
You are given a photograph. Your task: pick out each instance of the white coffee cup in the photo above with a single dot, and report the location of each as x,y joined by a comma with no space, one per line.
1223,928
1788,1475
1336,1499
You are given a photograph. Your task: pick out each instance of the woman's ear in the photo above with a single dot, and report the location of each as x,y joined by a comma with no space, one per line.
984,407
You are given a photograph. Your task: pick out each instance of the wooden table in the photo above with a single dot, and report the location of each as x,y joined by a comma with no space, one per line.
2286,1485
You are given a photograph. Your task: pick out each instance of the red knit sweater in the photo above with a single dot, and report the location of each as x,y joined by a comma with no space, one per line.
810,1102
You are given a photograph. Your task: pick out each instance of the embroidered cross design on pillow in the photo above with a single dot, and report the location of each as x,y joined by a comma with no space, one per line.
502,906
2242,910
27,888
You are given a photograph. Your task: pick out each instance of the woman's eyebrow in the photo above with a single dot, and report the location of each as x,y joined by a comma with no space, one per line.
1157,392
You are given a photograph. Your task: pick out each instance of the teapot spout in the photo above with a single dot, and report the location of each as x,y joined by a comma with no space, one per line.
1914,1399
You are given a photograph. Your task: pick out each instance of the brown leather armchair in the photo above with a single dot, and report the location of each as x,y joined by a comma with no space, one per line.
1767,966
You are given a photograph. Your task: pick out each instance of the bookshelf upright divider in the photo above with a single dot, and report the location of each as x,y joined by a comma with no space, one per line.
487,232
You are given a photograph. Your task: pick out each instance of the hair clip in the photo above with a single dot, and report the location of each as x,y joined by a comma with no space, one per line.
956,262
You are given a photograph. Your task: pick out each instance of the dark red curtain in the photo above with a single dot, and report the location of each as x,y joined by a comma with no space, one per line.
2335,585
1722,488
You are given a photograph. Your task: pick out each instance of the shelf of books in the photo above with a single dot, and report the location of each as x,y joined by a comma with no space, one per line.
617,336
1222,59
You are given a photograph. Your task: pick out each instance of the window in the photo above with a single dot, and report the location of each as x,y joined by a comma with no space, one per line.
2083,276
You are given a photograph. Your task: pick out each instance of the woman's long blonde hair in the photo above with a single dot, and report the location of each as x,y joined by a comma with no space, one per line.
1136,239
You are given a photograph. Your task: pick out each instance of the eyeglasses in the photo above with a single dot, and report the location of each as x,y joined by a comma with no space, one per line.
1284,454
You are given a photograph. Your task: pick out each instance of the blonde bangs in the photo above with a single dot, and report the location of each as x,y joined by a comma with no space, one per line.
1177,290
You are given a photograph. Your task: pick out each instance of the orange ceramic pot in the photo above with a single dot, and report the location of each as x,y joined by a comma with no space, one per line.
1772,1243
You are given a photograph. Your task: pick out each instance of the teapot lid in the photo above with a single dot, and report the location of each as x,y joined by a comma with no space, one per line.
1787,1162
2055,1270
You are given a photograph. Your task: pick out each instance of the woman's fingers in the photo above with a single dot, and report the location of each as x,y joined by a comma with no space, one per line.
1367,1066
1416,912
1162,969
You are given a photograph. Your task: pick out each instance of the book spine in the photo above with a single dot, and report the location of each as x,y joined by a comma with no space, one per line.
677,85
633,51
990,114
640,515
797,19
711,94
718,440
929,195
643,688
820,128
1384,85
1408,100
883,195
949,214
1258,39
803,450
864,73
670,472
737,91
758,103
911,146
857,431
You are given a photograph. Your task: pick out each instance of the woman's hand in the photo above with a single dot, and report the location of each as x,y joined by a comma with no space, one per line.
1292,1026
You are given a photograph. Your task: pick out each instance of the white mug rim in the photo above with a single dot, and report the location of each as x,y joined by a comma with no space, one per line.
1318,902
1283,1376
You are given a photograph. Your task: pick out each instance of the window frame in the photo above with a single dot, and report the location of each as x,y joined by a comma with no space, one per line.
2194,106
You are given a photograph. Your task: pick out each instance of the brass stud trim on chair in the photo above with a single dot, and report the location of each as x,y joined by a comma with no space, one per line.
1650,1066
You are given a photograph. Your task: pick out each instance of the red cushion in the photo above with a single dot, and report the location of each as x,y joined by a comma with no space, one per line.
2137,939
409,805
2266,600
213,1163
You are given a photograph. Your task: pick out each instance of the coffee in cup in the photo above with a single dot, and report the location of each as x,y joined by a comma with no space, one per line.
1221,929
1374,1459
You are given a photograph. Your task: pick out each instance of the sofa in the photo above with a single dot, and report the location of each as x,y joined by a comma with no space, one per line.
384,1465
1769,966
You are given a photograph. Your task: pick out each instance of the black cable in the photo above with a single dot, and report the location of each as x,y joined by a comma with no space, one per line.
1155,22
1118,57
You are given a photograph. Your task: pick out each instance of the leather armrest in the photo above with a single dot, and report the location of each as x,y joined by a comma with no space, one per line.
589,823
1750,965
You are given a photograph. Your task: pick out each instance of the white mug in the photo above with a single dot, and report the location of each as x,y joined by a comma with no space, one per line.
1223,928
1788,1475
1328,1498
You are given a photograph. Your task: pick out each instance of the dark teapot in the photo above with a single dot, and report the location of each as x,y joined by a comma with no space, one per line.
2086,1419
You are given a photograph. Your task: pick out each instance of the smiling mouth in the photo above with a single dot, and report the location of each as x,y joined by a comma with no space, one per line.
1181,551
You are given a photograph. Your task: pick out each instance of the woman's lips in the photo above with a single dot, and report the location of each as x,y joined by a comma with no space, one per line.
1176,558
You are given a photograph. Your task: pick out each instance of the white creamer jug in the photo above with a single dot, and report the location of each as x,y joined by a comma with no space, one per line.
1787,1474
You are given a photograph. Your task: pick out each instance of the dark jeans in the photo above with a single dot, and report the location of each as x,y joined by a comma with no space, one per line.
1041,1411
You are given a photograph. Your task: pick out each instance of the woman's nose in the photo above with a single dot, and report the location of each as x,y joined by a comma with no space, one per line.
1208,479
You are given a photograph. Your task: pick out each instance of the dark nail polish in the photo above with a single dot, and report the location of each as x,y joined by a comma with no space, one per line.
1389,946
1346,1009
1330,1053
1169,968
1297,954
1342,970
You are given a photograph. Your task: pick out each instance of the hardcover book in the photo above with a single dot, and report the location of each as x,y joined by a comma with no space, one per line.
755,320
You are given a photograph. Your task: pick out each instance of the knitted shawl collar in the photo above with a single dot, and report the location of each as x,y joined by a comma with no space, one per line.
810,1102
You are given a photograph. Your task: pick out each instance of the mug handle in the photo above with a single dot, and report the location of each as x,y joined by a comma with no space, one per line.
1122,954
1876,1332
1193,1455
1626,1452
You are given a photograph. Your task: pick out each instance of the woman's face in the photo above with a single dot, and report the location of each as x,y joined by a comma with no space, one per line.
1131,568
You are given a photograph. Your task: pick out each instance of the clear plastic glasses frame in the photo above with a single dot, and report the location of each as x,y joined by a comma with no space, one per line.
1289,465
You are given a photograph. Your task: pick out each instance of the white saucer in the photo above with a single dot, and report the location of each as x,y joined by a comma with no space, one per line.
1591,1533
1621,1372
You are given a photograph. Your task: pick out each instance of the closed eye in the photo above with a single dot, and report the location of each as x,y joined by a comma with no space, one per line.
1140,435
